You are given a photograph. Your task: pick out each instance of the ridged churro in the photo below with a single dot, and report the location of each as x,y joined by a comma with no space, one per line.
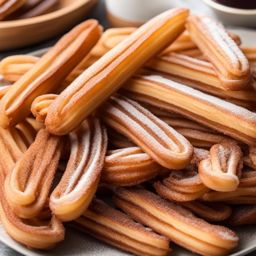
243,215
105,76
49,72
221,171
43,235
12,68
9,6
176,223
213,40
225,117
28,185
212,212
128,166
166,146
181,186
80,180
118,229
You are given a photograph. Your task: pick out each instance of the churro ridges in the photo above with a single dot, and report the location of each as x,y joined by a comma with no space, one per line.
181,186
128,166
212,212
80,180
175,222
118,229
220,49
221,171
103,78
28,184
41,236
166,146
13,67
9,6
221,115
243,215
47,74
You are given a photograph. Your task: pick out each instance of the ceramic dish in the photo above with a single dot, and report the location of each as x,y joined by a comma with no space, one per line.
20,33
79,244
233,16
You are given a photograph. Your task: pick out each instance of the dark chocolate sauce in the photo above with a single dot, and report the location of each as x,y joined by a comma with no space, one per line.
242,4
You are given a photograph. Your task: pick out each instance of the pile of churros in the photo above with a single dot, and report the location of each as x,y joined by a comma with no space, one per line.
23,9
140,137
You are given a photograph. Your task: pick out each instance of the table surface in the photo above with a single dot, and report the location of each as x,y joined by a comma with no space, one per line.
195,5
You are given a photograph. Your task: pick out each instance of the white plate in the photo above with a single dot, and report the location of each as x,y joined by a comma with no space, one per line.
78,244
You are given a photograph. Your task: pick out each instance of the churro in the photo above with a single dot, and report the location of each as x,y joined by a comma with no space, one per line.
181,186
176,223
243,215
80,180
225,117
118,229
48,72
28,185
9,6
213,40
12,68
105,76
166,146
128,166
222,169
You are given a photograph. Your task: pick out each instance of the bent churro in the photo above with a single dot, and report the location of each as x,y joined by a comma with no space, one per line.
106,75
166,146
48,72
118,229
80,180
128,166
221,50
176,223
225,117
221,171
28,185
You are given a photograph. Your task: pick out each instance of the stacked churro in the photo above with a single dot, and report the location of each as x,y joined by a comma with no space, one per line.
162,116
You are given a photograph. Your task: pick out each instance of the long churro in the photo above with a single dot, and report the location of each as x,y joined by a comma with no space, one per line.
128,166
182,186
166,146
80,180
213,40
40,236
221,171
227,118
106,75
28,185
118,229
176,223
48,72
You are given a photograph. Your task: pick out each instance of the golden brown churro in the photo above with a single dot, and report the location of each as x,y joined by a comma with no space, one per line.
80,180
48,72
176,223
12,68
221,171
118,229
28,185
166,146
40,236
3,90
229,61
244,194
225,117
212,212
181,186
128,166
106,75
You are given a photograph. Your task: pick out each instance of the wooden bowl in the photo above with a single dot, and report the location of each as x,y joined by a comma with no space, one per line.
20,33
